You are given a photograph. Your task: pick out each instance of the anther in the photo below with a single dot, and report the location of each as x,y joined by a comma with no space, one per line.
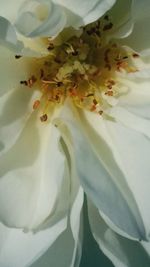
17,56
44,118
108,27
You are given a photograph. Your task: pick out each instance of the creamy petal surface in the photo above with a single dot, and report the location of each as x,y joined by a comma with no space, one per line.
98,177
57,15
43,158
18,248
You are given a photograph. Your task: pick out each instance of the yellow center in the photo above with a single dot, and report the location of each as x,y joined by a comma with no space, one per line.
82,68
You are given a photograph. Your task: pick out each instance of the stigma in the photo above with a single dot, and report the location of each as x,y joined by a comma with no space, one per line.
84,68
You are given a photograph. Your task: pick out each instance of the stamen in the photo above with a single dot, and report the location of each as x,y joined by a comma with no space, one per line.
83,69
44,118
108,27
36,104
17,56
135,55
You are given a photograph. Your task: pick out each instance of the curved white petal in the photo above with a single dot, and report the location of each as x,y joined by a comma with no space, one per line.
13,70
16,101
20,249
102,179
33,47
75,222
131,136
130,148
9,9
18,43
70,254
84,12
12,39
133,149
16,108
121,251
30,183
7,31
139,40
136,100
48,18
120,16
28,247
8,37
131,120
40,18
76,200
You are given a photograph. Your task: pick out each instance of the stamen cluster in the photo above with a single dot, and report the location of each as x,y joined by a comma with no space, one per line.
82,68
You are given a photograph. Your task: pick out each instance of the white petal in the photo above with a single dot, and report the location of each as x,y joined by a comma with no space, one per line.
21,249
48,18
8,36
16,102
9,10
120,15
130,120
40,18
136,100
70,253
121,251
133,150
85,12
19,44
13,70
30,181
76,199
7,31
33,47
102,179
16,108
75,227
14,41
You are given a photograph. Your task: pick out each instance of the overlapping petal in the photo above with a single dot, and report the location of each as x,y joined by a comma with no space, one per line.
102,178
48,18
139,40
121,18
33,192
16,101
9,9
40,18
30,183
18,248
30,173
8,35
121,251
80,13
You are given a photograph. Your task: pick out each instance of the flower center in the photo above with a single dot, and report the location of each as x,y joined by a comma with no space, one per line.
83,68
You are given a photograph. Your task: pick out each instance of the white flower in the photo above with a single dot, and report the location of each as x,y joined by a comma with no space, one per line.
110,144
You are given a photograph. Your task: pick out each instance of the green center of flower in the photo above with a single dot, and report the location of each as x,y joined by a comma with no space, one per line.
83,68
